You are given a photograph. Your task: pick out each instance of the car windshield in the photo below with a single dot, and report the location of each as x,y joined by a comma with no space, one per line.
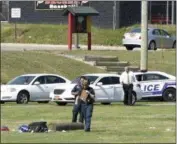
136,30
21,80
92,79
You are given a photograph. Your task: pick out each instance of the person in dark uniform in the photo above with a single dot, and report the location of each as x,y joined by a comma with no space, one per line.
87,97
77,106
127,79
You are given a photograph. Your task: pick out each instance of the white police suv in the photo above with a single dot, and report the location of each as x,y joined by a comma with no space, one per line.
157,84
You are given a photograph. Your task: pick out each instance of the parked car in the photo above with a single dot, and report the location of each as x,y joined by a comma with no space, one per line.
157,84
107,89
157,38
31,87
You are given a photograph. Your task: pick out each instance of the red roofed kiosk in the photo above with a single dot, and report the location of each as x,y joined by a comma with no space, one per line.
79,21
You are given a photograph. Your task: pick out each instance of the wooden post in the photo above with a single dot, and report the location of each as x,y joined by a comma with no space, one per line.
89,32
89,41
70,27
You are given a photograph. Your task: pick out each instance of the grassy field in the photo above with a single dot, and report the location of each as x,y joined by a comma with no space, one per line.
146,122
143,123
57,34
157,60
17,63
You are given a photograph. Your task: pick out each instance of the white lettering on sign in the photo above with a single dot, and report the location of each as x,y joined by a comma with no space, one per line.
15,12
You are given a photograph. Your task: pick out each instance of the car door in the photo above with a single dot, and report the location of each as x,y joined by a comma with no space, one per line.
37,92
104,92
167,40
51,82
118,94
152,84
156,36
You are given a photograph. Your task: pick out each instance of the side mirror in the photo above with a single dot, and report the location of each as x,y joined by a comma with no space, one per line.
99,84
37,83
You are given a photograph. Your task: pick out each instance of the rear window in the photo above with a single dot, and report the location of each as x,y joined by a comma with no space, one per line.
137,30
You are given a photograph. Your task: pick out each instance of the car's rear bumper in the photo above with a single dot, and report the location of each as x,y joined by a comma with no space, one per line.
131,42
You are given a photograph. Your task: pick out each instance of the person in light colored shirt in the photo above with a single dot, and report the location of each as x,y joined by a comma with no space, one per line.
127,79
77,105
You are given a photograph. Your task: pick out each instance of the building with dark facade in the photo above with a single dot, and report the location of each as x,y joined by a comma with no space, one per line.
117,14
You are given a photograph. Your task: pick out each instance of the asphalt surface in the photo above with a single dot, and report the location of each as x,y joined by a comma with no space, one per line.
31,47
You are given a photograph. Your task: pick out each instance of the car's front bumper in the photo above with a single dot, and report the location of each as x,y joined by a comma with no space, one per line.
8,96
60,98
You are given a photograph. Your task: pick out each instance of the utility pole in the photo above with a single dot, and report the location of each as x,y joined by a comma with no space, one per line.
167,12
114,16
172,12
144,36
76,34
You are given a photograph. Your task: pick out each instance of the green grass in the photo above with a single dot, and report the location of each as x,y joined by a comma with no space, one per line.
157,60
57,34
17,63
110,124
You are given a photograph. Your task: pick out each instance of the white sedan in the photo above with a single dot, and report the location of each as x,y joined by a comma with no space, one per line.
157,38
157,84
31,87
107,89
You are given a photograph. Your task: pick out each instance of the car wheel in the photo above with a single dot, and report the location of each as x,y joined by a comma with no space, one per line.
43,102
152,46
174,45
129,48
105,103
2,102
22,98
133,99
169,94
61,103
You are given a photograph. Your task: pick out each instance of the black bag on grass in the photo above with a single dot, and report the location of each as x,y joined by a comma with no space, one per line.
38,127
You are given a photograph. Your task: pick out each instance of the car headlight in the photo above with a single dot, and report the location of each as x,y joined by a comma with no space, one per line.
12,89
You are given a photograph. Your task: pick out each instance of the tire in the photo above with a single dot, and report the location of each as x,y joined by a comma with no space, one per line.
169,95
23,97
2,102
105,103
134,99
174,45
61,103
152,46
129,48
43,102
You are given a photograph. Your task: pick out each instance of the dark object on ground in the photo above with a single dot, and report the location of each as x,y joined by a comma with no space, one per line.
38,127
66,126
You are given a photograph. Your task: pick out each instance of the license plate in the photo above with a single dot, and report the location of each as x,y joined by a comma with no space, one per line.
132,34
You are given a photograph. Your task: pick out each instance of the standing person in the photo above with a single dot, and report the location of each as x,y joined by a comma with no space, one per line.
77,105
127,79
87,98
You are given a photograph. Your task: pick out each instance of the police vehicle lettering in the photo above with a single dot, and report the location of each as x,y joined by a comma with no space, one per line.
156,88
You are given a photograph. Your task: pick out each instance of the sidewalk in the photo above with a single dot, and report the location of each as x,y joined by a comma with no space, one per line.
22,47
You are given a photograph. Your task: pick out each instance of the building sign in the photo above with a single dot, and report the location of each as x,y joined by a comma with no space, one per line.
56,5
15,12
